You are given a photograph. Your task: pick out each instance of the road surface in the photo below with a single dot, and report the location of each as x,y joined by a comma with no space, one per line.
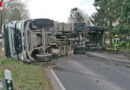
87,72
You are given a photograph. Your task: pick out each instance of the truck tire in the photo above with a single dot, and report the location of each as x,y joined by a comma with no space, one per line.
43,58
92,49
79,50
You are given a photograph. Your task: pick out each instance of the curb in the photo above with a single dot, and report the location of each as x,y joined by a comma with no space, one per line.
55,81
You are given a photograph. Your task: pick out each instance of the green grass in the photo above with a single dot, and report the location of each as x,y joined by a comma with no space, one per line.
110,49
25,77
127,50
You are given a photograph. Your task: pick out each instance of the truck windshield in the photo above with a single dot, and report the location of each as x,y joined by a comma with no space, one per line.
6,42
17,41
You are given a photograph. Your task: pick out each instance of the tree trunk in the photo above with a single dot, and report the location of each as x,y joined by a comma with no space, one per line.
1,21
110,34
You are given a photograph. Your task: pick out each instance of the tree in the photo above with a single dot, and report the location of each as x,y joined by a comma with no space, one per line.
13,10
77,15
123,29
114,14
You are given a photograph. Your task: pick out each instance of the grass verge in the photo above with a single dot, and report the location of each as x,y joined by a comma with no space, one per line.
25,77
127,50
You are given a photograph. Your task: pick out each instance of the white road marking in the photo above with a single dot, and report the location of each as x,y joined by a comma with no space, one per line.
58,80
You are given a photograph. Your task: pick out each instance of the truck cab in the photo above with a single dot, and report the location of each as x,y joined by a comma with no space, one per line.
13,40
22,40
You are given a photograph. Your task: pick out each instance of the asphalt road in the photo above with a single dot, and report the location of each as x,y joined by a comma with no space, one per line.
86,72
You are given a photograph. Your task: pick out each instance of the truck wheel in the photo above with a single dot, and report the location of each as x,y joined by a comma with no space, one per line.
92,49
79,50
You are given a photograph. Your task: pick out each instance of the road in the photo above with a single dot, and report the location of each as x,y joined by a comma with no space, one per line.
87,72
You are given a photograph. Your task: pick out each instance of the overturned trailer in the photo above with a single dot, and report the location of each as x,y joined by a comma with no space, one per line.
41,39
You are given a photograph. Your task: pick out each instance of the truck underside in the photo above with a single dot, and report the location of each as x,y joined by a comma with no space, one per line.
41,39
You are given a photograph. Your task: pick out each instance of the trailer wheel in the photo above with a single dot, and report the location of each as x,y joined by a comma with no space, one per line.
79,50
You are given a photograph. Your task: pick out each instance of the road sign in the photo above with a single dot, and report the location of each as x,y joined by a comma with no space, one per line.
1,6
8,80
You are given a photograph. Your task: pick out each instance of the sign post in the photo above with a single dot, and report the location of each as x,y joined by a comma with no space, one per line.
8,80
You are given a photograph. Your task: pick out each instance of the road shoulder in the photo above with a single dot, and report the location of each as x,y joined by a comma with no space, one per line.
55,81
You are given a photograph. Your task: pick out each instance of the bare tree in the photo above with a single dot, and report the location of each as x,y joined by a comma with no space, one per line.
77,15
13,10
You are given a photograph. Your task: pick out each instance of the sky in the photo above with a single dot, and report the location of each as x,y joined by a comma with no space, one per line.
58,10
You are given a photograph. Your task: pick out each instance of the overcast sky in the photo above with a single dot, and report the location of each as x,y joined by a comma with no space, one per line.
58,10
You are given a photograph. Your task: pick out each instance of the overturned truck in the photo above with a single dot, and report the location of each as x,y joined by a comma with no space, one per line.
41,39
